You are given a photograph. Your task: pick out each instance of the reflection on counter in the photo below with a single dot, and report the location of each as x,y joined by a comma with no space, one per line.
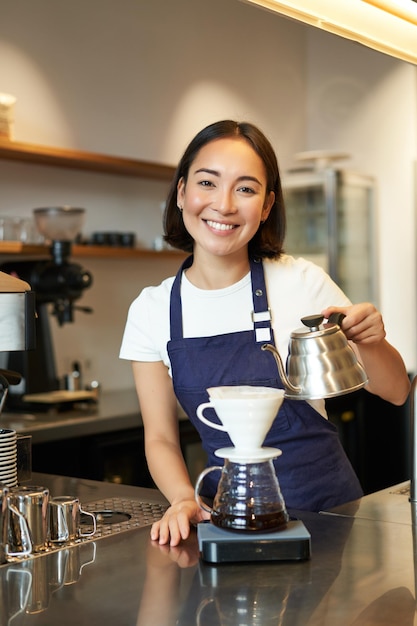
236,594
27,586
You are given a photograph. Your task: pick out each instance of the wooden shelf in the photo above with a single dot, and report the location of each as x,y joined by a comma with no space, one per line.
17,248
89,161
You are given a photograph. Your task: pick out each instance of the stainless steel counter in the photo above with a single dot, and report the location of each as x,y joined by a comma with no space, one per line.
116,410
388,505
361,573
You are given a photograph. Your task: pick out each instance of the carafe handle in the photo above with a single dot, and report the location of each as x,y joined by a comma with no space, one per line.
200,479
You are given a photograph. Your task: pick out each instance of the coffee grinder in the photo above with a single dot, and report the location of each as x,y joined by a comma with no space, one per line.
57,284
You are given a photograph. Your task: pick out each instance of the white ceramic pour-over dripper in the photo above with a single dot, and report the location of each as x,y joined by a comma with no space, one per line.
246,413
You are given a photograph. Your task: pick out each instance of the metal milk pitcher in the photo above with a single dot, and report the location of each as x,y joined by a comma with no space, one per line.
15,539
32,503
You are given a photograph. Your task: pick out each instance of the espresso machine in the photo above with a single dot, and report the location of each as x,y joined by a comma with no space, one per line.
57,284
17,325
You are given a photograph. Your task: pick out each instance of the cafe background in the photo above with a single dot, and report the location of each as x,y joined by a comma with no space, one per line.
138,79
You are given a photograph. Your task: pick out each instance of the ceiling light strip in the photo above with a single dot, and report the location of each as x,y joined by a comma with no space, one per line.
357,20
404,9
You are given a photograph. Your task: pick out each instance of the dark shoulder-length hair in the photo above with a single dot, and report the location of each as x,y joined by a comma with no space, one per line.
269,238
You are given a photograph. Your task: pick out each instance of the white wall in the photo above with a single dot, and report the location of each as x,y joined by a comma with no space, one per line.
365,103
138,79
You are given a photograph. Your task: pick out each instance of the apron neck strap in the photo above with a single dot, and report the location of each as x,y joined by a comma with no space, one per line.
261,314
175,307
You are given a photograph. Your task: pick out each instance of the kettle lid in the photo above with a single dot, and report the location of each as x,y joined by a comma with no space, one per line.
313,326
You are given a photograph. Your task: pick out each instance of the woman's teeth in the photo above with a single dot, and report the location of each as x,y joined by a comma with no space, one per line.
218,226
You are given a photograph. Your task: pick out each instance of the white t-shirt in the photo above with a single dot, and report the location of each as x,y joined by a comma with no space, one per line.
295,288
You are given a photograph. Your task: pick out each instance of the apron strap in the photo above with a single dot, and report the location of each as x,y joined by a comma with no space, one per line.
261,314
175,308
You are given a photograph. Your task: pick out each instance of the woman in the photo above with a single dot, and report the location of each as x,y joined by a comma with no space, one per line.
196,330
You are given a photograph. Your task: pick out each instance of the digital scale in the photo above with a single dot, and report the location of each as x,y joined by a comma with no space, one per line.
218,545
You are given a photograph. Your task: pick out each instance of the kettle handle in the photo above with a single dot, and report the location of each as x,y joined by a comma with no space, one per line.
336,318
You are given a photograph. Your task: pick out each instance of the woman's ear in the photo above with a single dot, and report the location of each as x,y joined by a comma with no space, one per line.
180,191
268,204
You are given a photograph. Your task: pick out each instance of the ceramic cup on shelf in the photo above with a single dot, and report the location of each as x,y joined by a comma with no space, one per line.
9,228
13,228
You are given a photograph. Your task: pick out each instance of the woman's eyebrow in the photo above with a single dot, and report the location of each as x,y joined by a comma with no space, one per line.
216,173
207,171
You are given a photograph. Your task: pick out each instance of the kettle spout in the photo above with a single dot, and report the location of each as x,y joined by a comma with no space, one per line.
282,373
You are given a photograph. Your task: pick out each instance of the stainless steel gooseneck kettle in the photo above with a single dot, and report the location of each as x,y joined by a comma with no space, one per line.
321,363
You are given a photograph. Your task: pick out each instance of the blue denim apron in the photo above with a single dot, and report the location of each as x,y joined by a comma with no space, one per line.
314,472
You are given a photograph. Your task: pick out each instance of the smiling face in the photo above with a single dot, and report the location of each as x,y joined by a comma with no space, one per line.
225,197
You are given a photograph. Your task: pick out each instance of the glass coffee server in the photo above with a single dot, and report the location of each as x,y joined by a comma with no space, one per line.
331,221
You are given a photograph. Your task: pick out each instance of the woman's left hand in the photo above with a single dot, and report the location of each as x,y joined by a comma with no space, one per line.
363,322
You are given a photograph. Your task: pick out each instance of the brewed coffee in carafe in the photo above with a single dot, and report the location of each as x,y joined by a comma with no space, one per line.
249,498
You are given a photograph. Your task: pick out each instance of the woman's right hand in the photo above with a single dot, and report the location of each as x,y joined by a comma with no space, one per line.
175,524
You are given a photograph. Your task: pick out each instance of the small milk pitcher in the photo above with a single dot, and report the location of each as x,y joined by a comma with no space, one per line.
64,524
